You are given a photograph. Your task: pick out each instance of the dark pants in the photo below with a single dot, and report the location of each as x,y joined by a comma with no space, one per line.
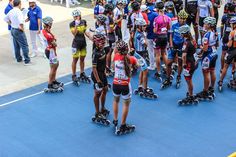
20,42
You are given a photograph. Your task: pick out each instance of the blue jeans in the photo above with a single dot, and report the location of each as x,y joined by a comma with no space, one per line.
20,42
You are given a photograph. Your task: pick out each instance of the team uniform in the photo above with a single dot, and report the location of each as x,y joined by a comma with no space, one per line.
162,25
210,56
226,30
99,61
139,45
121,82
189,48
231,53
79,41
204,7
178,41
191,9
50,50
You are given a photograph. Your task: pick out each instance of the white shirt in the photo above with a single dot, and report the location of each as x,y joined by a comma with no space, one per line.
15,16
204,8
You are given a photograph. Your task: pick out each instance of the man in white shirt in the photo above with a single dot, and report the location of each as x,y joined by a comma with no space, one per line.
16,20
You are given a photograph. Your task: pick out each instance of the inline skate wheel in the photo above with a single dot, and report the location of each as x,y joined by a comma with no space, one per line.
155,96
180,102
93,119
229,85
135,91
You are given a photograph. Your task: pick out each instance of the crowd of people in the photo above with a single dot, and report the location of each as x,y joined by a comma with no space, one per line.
138,36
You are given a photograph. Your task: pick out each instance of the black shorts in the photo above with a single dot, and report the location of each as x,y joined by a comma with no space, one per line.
161,41
145,55
118,32
102,77
122,90
191,20
201,23
191,68
111,40
231,56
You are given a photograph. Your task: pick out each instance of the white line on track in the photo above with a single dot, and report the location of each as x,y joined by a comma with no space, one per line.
28,96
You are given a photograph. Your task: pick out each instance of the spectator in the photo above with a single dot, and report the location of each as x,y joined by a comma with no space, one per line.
35,26
16,20
7,9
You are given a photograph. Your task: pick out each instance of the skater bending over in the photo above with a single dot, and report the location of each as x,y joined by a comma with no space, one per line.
121,85
50,52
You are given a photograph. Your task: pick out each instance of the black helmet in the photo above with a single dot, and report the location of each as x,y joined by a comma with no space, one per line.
108,7
135,6
160,5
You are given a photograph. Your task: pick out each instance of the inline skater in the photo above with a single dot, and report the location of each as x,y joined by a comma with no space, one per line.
99,78
209,57
50,52
121,86
231,56
189,66
78,29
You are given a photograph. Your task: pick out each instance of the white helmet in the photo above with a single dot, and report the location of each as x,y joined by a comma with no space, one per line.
76,12
140,22
143,8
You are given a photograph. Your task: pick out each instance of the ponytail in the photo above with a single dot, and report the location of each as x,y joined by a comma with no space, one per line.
127,66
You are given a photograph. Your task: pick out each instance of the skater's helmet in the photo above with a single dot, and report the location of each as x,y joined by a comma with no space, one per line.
184,29
109,7
210,20
144,8
135,6
140,22
99,39
183,14
101,18
47,20
122,47
159,5
169,5
233,20
76,13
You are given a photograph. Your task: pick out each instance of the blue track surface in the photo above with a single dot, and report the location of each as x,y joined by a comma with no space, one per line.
59,125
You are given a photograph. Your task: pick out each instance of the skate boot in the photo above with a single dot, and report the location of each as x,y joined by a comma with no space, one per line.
138,91
178,81
220,86
157,75
105,112
233,76
84,78
189,100
125,129
109,72
115,123
75,80
100,119
204,95
232,84
53,88
60,84
175,67
166,83
211,92
148,94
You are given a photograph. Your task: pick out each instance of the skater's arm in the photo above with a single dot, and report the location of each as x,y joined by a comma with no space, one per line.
230,42
171,40
95,73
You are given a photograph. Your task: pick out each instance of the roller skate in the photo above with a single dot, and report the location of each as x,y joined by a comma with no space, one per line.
220,86
109,72
138,91
124,129
211,92
105,112
189,100
175,67
53,88
157,75
166,83
204,95
100,119
232,84
178,81
60,84
147,93
233,76
75,80
84,78
115,123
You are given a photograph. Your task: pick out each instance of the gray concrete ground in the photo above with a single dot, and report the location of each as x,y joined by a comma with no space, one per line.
15,76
